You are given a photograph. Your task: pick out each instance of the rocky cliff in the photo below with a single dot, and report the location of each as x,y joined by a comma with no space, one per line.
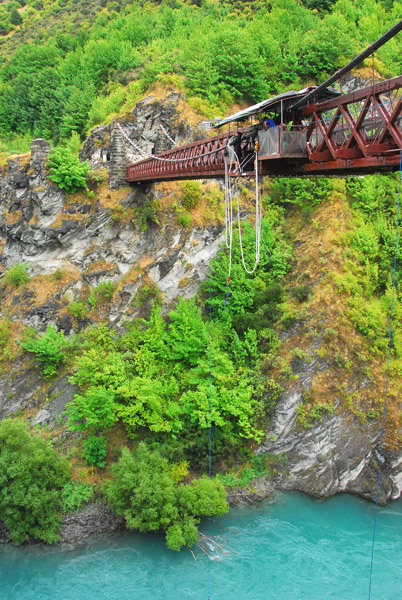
130,236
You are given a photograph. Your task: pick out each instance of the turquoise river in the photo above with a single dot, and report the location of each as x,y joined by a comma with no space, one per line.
293,549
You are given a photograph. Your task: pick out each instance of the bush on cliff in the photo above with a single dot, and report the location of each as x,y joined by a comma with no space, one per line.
32,479
67,171
50,349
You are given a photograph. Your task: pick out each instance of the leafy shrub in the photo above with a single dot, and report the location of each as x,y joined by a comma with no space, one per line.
147,212
77,309
57,275
67,171
305,192
76,494
144,294
4,332
318,411
17,275
93,411
95,451
95,178
92,299
50,349
32,479
184,220
145,492
106,289
192,194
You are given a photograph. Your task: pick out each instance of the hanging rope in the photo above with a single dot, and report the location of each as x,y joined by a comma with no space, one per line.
228,226
229,191
387,375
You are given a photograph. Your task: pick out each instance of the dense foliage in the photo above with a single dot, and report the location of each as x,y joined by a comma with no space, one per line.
50,349
369,260
32,480
146,492
65,78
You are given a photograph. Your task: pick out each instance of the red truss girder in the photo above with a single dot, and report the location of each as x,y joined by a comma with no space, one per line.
202,159
359,131
356,133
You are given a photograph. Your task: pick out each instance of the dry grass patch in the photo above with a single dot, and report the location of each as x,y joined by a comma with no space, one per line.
110,199
11,218
45,286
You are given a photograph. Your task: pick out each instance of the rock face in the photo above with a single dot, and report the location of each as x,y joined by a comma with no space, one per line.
336,454
93,519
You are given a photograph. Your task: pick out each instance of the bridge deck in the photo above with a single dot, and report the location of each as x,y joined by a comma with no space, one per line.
355,133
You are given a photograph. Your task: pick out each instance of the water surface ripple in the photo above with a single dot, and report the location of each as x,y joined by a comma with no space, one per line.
294,549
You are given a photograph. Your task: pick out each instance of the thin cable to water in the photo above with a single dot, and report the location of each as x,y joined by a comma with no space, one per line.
387,376
210,432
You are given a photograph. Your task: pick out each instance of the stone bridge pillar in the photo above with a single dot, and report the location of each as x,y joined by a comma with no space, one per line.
118,161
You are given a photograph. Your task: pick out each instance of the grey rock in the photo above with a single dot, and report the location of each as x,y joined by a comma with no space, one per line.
4,535
257,491
90,520
335,455
65,323
21,180
59,395
41,417
40,150
17,390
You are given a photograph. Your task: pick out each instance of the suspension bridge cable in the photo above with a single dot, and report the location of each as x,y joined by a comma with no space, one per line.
387,376
161,158
167,135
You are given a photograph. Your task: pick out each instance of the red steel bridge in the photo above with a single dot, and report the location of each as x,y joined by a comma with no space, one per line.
346,134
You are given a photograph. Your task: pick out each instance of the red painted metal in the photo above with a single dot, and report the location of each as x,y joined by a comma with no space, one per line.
202,159
355,133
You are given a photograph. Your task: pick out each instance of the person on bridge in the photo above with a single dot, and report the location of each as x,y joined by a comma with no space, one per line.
268,123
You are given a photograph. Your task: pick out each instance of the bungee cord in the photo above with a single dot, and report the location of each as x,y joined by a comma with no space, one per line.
229,190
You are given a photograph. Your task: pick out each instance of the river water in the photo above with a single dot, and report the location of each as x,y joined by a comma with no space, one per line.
293,549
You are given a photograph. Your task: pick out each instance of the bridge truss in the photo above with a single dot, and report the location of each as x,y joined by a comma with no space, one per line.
351,134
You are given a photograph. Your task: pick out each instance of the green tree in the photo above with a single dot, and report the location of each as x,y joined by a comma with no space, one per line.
93,411
32,479
187,335
15,17
144,491
67,171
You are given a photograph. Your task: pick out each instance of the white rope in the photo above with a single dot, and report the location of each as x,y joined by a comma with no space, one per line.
229,212
228,197
167,135
258,223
